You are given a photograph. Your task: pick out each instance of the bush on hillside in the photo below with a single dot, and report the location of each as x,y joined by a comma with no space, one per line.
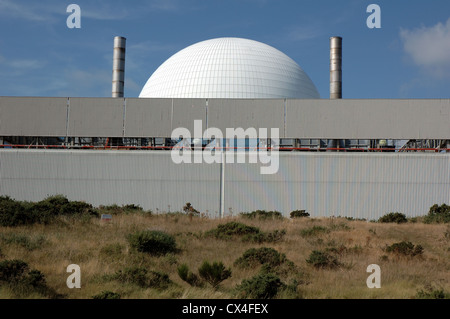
247,233
259,256
143,278
214,273
188,276
299,213
261,286
321,259
405,249
22,281
16,213
393,218
262,214
438,214
154,242
107,295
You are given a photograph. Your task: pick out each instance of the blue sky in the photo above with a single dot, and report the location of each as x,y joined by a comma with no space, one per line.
409,57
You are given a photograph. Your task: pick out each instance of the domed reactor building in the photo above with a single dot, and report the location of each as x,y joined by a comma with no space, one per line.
230,68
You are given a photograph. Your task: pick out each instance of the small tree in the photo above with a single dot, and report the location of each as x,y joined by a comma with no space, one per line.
438,214
188,276
190,210
214,273
299,213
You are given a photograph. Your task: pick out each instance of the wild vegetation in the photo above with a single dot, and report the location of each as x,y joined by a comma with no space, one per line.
140,254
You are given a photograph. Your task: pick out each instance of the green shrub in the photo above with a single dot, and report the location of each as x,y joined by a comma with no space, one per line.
21,280
259,256
246,233
143,278
113,209
154,242
16,213
405,248
13,271
189,277
393,218
107,295
13,213
132,207
355,219
46,210
313,231
320,259
228,230
35,279
261,286
438,214
262,214
299,213
214,273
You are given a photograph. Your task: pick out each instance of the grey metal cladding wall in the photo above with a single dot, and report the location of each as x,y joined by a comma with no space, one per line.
295,118
96,117
325,184
147,178
264,113
371,119
186,111
148,118
354,185
33,116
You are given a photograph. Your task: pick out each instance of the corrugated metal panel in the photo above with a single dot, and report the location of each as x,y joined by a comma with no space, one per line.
96,117
33,116
354,185
148,118
303,119
368,119
186,111
246,113
259,113
149,179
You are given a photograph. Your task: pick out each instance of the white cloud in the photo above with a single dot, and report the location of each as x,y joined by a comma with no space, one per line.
302,33
429,48
34,11
26,64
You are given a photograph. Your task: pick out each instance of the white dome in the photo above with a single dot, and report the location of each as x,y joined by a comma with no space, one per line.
229,68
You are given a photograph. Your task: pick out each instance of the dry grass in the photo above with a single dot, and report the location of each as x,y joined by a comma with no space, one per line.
102,248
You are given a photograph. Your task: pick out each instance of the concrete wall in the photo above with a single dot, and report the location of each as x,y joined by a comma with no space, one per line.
360,185
295,118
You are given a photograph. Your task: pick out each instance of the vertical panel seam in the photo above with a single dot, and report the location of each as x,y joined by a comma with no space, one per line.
67,118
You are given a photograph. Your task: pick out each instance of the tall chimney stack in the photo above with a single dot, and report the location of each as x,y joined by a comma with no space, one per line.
335,68
118,77
335,82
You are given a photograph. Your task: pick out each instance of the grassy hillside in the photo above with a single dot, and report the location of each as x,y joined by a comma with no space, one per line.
267,257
